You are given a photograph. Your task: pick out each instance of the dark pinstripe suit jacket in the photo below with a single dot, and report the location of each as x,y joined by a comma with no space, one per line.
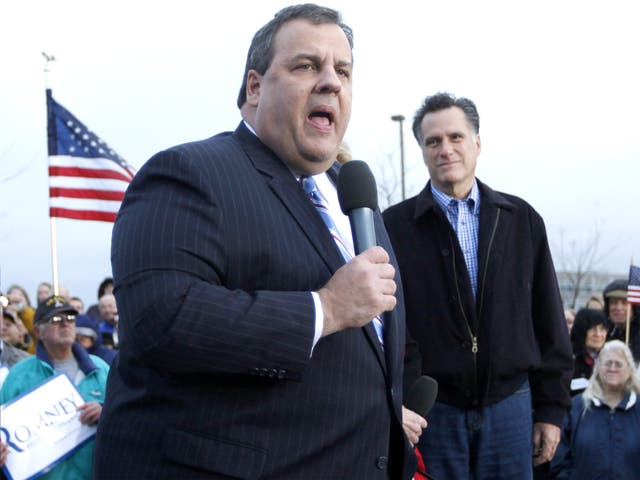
214,252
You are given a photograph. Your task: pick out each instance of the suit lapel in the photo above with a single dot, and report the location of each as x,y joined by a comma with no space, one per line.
288,190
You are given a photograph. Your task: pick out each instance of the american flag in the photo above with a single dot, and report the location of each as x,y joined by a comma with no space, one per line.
87,179
633,291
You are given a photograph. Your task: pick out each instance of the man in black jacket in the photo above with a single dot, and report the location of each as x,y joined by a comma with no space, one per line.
483,303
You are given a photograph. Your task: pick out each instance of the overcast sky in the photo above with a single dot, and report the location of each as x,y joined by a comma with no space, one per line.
556,84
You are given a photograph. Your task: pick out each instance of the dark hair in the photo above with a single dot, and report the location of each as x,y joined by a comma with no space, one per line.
103,286
260,52
442,101
586,319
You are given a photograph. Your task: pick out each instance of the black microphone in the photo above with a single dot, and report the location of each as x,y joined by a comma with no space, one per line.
422,395
358,197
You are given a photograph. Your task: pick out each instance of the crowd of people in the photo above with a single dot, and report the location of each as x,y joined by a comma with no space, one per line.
56,335
96,328
246,338
599,435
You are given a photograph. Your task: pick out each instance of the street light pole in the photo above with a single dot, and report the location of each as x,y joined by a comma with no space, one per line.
400,119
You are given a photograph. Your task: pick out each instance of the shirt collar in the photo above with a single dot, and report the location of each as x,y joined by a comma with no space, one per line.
443,200
249,127
628,401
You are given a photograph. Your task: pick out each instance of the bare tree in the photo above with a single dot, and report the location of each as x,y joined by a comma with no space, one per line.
387,181
579,258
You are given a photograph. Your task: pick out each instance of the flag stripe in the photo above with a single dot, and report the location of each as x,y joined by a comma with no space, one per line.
81,162
84,204
86,193
82,214
88,183
86,173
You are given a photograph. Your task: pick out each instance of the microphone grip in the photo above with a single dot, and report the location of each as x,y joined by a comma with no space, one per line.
362,229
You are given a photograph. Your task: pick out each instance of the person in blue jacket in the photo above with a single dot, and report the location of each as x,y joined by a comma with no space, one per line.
601,436
87,330
57,351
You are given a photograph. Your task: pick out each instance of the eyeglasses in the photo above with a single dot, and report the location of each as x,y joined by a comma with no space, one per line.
614,365
58,319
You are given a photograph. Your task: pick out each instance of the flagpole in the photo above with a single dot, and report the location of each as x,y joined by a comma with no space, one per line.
52,220
626,335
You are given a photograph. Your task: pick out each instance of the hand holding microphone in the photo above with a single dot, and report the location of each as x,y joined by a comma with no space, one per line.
364,287
417,405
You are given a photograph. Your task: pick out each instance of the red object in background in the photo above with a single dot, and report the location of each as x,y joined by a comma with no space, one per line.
421,470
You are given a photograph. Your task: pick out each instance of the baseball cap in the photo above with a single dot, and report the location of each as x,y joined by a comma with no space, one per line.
51,306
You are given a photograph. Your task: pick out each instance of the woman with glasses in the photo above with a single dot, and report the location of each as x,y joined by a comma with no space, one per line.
601,436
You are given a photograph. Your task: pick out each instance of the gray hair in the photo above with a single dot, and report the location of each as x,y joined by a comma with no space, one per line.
594,388
260,52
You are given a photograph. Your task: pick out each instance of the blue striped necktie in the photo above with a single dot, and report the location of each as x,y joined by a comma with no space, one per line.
311,189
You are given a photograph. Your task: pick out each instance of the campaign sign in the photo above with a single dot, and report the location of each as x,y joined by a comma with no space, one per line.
42,427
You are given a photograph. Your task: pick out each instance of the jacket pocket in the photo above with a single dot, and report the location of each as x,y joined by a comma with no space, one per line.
222,456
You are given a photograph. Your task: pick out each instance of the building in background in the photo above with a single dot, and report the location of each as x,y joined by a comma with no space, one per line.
592,283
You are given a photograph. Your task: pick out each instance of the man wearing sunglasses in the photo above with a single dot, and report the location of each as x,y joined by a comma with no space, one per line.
57,351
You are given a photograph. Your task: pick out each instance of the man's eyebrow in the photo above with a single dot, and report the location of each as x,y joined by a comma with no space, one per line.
306,56
344,63
317,59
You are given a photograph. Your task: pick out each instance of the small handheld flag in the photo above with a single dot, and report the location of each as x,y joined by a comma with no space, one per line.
633,290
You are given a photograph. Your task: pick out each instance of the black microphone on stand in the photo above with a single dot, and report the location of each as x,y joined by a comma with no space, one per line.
358,197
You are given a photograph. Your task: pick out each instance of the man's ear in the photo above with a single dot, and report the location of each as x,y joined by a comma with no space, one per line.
253,87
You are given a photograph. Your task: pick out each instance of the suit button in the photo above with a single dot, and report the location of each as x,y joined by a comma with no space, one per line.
263,372
254,371
382,463
281,374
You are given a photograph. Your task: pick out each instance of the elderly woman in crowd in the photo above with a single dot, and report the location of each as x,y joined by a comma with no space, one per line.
601,435
588,335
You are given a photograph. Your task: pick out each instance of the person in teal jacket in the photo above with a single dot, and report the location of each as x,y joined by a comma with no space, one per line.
56,352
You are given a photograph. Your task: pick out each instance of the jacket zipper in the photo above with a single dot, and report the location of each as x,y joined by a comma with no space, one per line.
474,338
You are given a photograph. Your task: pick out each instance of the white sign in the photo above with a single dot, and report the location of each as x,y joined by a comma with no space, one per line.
42,427
579,383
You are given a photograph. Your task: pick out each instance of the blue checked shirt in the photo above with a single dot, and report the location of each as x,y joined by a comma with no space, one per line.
464,215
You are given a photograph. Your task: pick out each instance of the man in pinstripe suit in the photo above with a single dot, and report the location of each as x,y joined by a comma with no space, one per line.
247,349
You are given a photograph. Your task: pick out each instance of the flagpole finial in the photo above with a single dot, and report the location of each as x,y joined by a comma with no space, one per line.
48,59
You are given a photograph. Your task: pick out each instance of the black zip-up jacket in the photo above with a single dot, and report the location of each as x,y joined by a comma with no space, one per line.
480,351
